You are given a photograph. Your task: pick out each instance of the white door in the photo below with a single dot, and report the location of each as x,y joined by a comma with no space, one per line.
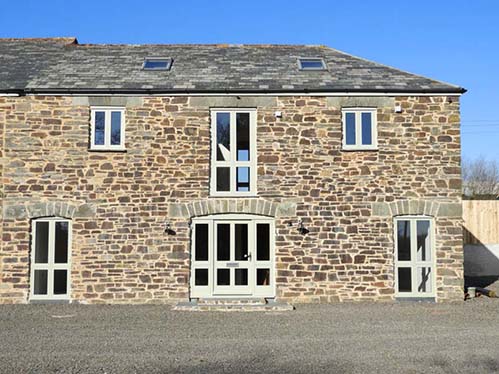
414,257
233,269
232,256
50,259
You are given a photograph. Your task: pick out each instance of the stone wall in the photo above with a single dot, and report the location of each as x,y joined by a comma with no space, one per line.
120,202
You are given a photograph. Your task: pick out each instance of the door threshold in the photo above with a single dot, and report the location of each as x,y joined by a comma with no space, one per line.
227,305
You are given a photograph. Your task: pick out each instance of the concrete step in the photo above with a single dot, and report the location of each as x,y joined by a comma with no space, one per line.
236,305
231,301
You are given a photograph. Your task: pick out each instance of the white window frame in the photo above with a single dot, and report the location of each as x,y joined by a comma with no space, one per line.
414,263
233,163
358,146
167,60
268,291
50,266
318,59
107,146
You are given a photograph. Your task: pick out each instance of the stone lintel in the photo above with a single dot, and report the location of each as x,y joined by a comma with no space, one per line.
233,101
237,206
360,101
122,101
52,208
430,208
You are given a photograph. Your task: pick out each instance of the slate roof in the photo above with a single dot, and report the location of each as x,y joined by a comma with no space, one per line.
62,65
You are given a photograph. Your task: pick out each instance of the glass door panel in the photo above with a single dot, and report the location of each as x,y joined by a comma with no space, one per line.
414,265
232,256
233,264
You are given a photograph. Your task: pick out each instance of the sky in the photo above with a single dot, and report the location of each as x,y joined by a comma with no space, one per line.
455,41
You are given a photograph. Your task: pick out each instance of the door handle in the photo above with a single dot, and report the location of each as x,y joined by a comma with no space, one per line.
248,256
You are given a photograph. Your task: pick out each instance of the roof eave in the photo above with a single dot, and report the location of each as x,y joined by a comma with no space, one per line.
159,91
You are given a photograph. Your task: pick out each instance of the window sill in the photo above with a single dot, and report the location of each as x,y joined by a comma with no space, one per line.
119,150
228,196
424,299
360,149
49,301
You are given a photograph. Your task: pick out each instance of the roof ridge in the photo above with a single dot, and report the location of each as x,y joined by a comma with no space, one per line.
222,45
62,40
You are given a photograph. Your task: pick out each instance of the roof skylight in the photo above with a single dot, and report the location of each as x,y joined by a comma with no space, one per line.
157,63
311,63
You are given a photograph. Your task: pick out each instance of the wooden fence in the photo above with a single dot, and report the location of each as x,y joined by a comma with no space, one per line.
481,221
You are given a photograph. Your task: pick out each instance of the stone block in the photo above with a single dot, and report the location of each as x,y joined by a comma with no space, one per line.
177,210
450,210
381,210
15,211
86,211
37,210
80,101
339,102
233,101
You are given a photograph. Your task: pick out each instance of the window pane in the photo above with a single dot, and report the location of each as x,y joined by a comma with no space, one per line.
404,240
405,282
263,242
243,179
424,279
61,242
223,179
42,242
243,136
156,64
350,128
99,127
315,64
223,277
423,248
40,286
201,242
223,242
60,282
241,242
367,129
241,277
223,136
201,277
115,128
262,277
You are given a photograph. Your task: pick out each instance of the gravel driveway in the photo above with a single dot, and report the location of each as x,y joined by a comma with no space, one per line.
344,338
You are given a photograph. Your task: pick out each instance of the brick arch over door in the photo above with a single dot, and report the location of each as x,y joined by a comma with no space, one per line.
51,208
430,208
237,206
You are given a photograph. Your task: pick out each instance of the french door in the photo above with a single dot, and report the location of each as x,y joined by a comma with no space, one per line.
50,259
414,257
232,256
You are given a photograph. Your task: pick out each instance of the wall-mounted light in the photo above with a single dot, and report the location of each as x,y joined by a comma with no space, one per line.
299,226
278,114
398,108
169,230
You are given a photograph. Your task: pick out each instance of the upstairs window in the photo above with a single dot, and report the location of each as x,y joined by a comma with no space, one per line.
157,63
107,129
311,64
359,129
233,167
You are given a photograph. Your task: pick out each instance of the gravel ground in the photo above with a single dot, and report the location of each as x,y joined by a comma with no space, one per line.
345,338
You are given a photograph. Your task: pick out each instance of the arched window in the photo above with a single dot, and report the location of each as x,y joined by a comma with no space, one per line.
50,259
